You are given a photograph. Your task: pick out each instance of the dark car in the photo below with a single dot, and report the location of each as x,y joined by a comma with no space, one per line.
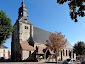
83,62
69,61
1,58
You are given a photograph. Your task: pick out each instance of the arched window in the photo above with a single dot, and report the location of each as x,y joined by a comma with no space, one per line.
4,50
4,55
66,52
73,55
70,53
25,27
63,52
21,13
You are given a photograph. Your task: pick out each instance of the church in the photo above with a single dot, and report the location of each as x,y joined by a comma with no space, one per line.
28,41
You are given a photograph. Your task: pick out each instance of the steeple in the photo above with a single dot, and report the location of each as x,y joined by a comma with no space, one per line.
23,3
22,11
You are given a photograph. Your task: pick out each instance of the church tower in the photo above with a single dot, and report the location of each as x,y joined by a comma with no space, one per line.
23,32
25,26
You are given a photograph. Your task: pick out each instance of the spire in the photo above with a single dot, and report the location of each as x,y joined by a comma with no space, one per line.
22,11
23,3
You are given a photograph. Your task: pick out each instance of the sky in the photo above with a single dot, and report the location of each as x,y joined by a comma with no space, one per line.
47,15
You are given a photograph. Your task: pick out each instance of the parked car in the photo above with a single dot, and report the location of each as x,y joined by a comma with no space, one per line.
1,58
69,61
83,62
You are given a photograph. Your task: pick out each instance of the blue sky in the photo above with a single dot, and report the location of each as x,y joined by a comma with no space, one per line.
48,15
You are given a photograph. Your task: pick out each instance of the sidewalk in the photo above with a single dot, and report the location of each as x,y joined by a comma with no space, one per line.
21,63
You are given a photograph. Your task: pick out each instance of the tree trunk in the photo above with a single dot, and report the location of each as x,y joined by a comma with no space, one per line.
56,56
80,58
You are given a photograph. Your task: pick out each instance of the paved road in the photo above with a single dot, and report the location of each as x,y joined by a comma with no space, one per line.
28,63
25,63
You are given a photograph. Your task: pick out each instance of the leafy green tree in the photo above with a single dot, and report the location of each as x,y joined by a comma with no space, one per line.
79,48
77,8
5,27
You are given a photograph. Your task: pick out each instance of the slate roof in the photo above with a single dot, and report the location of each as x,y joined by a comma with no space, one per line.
68,45
2,46
23,19
40,36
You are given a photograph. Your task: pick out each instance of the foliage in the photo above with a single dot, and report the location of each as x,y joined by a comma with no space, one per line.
79,48
56,42
77,8
5,27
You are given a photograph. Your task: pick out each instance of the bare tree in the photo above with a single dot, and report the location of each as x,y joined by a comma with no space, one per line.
55,42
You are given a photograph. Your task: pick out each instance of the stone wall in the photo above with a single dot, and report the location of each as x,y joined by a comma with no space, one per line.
25,55
24,32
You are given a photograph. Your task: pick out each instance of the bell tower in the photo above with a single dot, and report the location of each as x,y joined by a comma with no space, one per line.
22,11
23,31
25,26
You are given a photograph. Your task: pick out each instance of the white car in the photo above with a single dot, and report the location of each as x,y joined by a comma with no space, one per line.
69,61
